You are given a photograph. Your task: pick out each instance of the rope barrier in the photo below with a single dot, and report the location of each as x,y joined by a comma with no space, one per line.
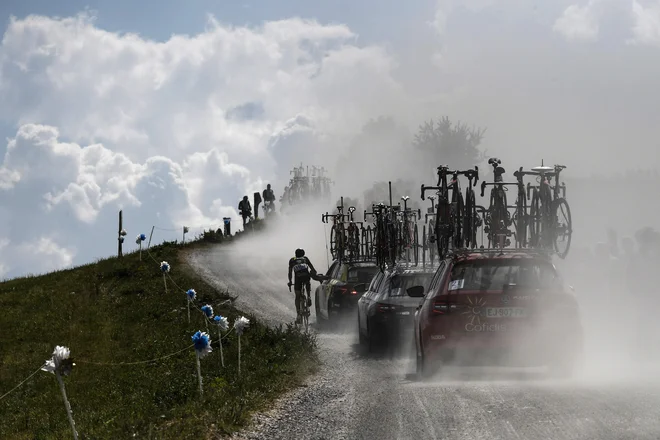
19,385
135,363
83,361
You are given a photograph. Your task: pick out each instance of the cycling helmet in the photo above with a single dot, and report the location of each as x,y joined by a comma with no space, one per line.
300,253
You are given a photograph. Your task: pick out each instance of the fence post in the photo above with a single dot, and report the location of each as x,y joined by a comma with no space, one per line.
120,238
152,233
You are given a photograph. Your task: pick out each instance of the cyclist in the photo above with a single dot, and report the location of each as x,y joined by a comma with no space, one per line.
245,209
304,271
269,196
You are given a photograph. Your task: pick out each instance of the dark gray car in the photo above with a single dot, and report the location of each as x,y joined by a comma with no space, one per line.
385,310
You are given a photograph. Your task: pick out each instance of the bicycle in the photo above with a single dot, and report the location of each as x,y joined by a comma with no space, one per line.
337,233
498,218
303,306
408,236
470,219
443,227
547,230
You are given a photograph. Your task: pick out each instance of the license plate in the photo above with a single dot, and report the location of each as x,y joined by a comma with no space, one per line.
504,312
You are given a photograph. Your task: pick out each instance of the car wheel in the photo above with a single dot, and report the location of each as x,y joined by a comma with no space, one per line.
423,369
320,322
362,339
372,343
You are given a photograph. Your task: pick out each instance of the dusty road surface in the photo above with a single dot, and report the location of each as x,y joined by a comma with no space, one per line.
358,397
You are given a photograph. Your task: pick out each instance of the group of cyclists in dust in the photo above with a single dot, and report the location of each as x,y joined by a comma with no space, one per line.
301,269
245,208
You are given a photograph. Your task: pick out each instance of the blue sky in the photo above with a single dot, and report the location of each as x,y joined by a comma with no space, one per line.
375,21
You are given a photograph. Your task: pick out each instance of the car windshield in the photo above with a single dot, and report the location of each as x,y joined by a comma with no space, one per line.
361,274
399,283
502,274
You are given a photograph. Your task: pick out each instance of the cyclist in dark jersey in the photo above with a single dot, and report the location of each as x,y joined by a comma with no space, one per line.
302,270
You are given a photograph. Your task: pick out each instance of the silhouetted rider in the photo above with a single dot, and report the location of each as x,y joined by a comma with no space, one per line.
303,271
269,196
245,209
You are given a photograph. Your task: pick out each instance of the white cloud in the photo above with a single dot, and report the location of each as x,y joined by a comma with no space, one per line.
579,22
173,132
646,28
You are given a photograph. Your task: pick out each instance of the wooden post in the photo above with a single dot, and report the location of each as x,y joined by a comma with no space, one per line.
119,236
152,233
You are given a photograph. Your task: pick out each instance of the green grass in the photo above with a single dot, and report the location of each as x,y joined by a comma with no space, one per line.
116,310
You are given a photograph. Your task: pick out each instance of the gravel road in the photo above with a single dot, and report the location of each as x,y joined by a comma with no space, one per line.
358,397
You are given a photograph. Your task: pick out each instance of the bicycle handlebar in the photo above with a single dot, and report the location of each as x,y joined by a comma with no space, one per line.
427,188
484,184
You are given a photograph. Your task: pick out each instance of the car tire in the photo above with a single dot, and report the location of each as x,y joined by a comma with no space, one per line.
361,338
423,369
320,321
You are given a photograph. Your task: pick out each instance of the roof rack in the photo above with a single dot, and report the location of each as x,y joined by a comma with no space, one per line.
500,251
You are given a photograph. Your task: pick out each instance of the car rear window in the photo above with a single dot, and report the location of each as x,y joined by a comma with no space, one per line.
503,274
399,283
361,274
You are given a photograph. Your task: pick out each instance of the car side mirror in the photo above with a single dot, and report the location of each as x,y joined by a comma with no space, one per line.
360,288
415,291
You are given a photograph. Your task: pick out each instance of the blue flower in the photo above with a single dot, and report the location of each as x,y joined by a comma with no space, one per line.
164,266
143,237
202,343
222,322
191,294
208,311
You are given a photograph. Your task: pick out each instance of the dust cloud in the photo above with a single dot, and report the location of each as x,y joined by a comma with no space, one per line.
539,98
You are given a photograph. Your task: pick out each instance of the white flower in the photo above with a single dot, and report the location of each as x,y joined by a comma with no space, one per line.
241,324
59,362
222,322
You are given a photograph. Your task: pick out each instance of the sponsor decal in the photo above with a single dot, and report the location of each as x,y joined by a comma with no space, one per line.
456,284
522,297
476,321
438,337
485,327
505,299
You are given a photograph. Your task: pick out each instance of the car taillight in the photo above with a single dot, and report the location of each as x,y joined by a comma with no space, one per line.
386,308
345,290
442,307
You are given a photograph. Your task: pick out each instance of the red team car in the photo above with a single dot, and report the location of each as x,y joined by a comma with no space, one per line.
503,307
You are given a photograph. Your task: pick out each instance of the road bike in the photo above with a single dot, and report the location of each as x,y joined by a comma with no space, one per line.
338,239
550,222
303,305
471,221
408,232
498,218
442,230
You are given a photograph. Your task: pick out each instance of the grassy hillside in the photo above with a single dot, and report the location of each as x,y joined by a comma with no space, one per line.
116,311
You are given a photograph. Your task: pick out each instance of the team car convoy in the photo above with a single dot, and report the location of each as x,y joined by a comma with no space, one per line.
479,287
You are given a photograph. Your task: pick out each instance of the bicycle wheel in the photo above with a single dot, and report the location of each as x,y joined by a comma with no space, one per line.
333,244
534,220
520,222
457,221
499,218
468,219
563,231
416,245
424,246
443,227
